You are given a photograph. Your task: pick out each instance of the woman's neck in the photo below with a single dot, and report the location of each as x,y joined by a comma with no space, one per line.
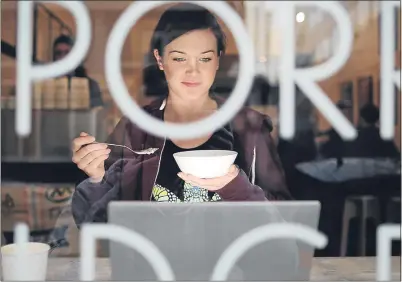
188,110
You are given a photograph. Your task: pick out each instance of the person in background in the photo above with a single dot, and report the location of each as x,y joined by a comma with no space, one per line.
369,143
61,47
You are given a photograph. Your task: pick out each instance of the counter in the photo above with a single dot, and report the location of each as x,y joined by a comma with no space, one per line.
45,155
51,136
324,269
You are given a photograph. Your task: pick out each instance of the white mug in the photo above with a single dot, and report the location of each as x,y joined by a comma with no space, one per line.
25,262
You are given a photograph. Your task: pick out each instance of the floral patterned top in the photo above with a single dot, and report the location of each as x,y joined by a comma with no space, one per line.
171,188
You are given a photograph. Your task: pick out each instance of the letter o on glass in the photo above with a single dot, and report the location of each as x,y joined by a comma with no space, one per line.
152,125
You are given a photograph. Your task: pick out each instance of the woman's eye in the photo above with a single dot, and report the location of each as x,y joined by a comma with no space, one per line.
205,60
178,59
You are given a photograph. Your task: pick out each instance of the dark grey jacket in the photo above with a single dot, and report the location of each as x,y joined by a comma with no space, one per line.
130,177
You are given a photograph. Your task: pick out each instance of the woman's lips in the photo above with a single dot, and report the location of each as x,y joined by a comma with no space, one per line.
191,84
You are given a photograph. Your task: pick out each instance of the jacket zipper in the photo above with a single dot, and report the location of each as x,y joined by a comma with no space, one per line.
157,171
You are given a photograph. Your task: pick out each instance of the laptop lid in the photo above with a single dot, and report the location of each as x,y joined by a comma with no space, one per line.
193,236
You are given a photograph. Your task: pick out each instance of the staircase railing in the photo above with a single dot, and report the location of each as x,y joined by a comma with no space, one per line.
40,9
52,18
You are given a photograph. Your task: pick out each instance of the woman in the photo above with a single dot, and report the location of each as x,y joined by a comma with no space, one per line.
187,45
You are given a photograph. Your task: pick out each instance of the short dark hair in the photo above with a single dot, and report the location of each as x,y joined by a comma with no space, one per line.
175,22
370,113
181,19
63,39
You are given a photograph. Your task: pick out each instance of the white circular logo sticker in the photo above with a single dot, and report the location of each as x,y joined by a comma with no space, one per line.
157,127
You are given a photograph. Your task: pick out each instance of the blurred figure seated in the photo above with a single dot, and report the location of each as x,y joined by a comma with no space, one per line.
369,143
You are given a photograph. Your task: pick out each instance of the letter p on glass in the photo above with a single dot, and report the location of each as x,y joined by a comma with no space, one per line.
28,73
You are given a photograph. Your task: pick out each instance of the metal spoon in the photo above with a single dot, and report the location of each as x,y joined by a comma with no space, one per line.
148,151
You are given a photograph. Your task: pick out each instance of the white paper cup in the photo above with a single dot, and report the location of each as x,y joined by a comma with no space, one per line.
27,262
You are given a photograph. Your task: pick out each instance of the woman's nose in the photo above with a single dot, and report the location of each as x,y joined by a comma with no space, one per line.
192,66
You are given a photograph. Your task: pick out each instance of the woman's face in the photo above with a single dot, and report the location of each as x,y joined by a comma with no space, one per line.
190,63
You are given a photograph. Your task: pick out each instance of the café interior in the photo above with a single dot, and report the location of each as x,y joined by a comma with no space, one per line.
358,191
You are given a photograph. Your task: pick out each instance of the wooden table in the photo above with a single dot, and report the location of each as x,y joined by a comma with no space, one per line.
324,269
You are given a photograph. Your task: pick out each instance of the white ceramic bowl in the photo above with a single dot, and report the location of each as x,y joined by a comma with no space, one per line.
205,163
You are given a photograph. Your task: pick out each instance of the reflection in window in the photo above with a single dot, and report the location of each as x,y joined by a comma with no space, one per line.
374,8
347,98
365,90
362,13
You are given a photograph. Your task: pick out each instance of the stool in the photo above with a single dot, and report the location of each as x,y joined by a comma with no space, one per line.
394,210
393,215
362,207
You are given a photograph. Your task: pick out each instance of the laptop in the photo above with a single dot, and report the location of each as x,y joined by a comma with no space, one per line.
193,236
